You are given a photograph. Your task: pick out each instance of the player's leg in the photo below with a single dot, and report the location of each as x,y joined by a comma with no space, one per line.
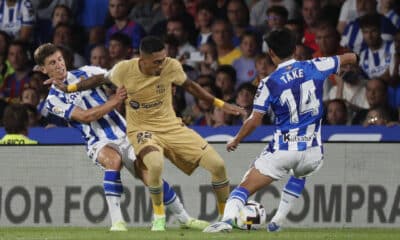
291,192
171,200
110,159
212,162
309,161
153,160
252,182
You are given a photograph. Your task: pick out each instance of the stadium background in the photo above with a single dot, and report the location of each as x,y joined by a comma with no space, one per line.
57,185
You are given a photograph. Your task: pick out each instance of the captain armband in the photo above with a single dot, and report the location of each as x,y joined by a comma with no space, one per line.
218,103
72,87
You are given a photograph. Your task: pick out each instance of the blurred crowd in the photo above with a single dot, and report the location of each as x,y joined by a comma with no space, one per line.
220,45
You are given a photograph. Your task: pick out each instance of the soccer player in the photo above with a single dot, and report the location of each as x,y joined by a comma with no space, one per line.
153,128
104,132
294,92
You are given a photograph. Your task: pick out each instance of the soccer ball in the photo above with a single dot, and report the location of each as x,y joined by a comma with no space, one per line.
251,216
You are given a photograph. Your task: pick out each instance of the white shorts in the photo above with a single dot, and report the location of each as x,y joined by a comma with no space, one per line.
122,146
281,162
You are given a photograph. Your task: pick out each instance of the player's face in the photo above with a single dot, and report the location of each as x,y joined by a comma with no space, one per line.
54,66
153,63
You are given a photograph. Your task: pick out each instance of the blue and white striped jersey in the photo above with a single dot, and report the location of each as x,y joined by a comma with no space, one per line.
13,18
375,63
294,93
394,18
112,126
352,36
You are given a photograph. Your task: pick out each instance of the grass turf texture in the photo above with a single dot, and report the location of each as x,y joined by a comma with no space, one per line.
75,233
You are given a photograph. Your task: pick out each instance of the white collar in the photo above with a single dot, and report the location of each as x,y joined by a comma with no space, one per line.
286,63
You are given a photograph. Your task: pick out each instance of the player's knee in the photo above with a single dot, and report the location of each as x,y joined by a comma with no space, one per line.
153,160
219,170
110,159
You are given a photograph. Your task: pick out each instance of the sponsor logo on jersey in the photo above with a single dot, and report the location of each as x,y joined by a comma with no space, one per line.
290,138
151,104
134,104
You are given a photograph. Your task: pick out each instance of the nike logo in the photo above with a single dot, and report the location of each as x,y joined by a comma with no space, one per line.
204,147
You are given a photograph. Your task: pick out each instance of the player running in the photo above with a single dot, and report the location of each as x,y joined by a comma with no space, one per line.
294,92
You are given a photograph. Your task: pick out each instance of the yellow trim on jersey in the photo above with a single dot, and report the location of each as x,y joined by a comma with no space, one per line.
16,139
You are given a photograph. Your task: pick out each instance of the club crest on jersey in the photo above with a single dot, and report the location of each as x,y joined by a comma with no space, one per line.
57,111
134,104
289,67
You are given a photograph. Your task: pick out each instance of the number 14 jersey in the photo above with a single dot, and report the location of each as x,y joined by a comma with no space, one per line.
294,93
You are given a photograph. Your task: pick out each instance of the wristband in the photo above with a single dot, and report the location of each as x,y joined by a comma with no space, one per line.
218,103
72,87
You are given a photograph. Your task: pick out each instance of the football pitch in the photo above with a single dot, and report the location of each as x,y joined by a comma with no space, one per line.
75,233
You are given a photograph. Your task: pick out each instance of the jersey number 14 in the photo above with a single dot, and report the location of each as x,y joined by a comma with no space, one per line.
308,101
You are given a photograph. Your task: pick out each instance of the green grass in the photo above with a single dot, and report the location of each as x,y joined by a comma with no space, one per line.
74,233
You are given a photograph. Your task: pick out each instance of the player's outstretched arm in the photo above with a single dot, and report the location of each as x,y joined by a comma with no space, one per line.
91,82
95,113
196,90
248,127
348,58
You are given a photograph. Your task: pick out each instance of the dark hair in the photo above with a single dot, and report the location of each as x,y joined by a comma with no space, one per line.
370,20
15,118
282,42
248,86
229,70
208,5
171,40
68,56
151,44
122,38
43,51
24,47
339,101
66,8
249,33
279,10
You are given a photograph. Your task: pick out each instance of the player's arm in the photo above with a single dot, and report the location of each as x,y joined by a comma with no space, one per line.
196,90
248,127
95,113
89,83
348,58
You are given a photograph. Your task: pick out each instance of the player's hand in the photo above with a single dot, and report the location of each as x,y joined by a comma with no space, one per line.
234,109
232,145
120,94
57,83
